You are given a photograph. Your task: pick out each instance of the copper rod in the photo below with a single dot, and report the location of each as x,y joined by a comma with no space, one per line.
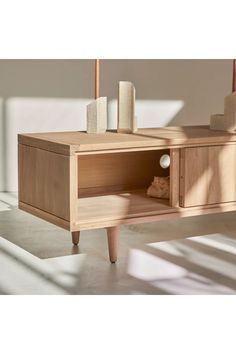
234,76
97,78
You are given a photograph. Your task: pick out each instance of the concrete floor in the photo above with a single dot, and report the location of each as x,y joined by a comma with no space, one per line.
194,255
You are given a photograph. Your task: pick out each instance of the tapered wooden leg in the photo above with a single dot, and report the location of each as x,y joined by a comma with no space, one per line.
112,238
75,237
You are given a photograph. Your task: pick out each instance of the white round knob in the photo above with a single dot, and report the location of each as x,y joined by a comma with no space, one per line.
165,161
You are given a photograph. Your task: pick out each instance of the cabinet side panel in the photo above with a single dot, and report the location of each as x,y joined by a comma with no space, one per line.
174,177
44,180
181,180
209,175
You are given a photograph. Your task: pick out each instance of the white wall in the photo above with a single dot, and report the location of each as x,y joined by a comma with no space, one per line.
51,95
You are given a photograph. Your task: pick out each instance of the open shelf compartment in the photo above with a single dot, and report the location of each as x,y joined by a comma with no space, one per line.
113,186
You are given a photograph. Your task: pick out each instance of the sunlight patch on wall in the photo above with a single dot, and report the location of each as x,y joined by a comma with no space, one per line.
28,115
45,114
34,115
150,113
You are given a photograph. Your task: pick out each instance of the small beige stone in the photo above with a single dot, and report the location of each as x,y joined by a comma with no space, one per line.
160,188
97,116
126,108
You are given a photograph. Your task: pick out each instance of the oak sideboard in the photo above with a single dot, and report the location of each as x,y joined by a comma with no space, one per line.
81,181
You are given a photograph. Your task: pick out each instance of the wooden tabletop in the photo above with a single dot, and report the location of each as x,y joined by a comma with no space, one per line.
69,143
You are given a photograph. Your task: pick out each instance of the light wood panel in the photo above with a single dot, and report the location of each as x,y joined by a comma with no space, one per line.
133,208
68,143
181,213
119,206
106,173
45,216
174,177
46,141
44,181
208,175
73,185
188,135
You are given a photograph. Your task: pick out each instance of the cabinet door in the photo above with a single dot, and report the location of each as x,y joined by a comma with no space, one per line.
207,175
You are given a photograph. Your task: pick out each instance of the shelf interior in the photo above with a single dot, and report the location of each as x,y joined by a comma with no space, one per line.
117,172
114,186
119,206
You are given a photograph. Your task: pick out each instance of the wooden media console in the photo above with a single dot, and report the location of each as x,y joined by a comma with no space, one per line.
81,181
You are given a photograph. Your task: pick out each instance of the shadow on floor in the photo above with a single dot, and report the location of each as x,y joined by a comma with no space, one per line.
186,256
